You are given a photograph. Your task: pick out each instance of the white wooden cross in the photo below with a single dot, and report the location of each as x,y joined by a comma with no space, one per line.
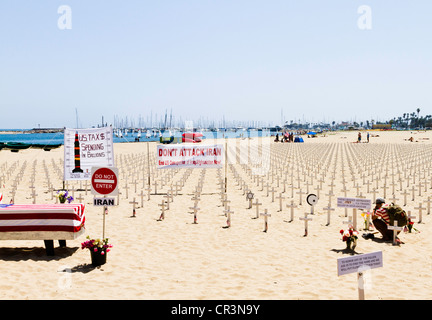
301,193
168,198
148,192
394,198
405,193
257,204
142,198
328,209
162,205
291,206
85,186
330,195
195,210
306,219
409,216
273,192
428,201
228,214
413,189
225,203
127,188
80,198
34,194
281,197
265,215
134,203
420,209
395,229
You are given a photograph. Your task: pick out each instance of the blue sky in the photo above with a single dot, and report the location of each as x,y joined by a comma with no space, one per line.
202,59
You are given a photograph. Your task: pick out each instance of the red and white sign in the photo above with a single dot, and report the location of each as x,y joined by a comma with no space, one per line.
189,156
104,181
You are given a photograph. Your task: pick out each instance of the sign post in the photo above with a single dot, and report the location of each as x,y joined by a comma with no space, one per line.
104,182
354,203
360,263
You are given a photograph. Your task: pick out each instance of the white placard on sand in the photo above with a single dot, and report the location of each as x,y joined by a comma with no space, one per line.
355,203
359,262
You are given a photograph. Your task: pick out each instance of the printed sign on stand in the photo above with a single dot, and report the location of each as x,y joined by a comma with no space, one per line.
189,156
87,148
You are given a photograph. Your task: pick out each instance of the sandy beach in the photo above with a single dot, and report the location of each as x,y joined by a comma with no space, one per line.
177,259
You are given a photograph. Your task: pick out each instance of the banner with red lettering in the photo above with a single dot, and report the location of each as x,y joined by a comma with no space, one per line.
87,148
189,156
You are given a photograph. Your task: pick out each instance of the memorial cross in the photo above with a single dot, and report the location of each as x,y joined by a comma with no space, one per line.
133,203
195,210
395,229
162,205
328,209
281,197
265,215
420,209
306,219
257,204
291,206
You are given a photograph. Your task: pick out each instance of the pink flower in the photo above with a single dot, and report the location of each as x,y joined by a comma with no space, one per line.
95,249
102,252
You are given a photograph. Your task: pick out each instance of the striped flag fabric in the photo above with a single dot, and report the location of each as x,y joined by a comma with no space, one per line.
42,217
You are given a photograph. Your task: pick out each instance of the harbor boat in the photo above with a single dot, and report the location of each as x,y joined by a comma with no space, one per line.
15,146
46,147
194,137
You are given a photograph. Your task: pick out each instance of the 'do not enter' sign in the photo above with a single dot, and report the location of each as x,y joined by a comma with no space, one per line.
104,181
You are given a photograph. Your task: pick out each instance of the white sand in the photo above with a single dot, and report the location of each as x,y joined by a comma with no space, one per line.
176,259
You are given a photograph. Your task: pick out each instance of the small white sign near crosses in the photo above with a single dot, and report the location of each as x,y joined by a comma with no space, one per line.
354,203
360,263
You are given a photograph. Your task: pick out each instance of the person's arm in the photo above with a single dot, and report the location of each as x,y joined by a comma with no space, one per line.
374,214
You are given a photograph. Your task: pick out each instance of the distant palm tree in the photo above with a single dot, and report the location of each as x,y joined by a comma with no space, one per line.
418,112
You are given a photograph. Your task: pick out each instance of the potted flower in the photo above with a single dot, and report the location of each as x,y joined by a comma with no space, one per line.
350,236
98,250
64,196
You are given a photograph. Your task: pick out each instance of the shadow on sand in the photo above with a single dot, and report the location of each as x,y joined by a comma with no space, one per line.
35,253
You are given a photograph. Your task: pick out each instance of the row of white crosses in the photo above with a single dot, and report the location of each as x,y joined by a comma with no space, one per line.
327,172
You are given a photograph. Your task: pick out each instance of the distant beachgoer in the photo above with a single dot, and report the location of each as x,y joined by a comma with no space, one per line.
359,137
367,137
277,137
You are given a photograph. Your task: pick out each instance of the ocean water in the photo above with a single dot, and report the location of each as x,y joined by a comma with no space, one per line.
57,138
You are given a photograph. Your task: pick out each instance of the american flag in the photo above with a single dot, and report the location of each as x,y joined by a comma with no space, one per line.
42,217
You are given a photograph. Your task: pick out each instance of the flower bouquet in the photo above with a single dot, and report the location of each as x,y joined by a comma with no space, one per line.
410,226
366,218
350,236
98,249
64,196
